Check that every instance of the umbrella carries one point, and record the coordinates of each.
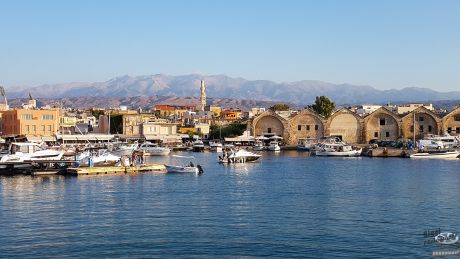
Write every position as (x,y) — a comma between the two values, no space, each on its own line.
(261,138)
(276,137)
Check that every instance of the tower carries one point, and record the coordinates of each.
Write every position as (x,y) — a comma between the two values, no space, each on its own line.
(203,95)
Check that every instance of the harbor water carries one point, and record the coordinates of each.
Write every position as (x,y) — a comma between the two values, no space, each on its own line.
(287,205)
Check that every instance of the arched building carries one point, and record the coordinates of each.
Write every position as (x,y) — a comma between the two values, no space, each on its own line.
(306,124)
(270,123)
(382,124)
(451,123)
(346,125)
(426,122)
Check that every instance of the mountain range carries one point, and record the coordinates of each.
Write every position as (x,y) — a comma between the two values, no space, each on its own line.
(221,86)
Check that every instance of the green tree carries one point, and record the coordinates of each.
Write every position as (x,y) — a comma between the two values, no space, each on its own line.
(233,130)
(280,107)
(323,106)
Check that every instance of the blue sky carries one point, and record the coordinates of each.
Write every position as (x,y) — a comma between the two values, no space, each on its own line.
(385,44)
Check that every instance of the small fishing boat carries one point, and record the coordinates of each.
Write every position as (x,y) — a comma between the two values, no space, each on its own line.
(446,238)
(436,155)
(273,146)
(258,145)
(187,168)
(336,149)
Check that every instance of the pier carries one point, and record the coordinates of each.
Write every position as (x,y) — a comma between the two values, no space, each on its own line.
(113,170)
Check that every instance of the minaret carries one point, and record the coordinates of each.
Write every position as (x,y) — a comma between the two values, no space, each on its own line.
(203,95)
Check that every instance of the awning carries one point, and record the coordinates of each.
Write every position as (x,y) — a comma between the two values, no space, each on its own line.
(41,138)
(87,137)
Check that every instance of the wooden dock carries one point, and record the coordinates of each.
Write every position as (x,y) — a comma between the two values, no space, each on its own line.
(114,170)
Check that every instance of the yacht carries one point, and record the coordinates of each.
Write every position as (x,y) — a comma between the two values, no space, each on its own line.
(447,140)
(97,158)
(258,145)
(124,149)
(152,149)
(28,151)
(336,149)
(198,146)
(240,156)
(273,146)
(215,146)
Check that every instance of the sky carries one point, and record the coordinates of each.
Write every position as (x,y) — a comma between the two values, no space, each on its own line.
(388,44)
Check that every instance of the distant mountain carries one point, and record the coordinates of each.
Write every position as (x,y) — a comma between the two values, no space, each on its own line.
(221,86)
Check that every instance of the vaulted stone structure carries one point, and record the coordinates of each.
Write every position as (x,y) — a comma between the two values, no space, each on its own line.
(426,122)
(451,123)
(346,125)
(269,122)
(306,124)
(382,124)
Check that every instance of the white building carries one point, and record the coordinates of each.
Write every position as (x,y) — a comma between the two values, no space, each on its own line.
(367,109)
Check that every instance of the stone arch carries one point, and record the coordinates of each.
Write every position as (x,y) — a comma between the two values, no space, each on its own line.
(382,124)
(306,124)
(451,123)
(346,125)
(269,122)
(426,122)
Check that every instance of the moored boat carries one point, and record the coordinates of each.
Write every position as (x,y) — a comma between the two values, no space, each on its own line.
(151,149)
(337,149)
(240,156)
(436,155)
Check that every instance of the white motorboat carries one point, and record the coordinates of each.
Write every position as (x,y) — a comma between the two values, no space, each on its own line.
(124,149)
(241,156)
(187,168)
(259,145)
(306,144)
(273,146)
(446,238)
(99,157)
(198,146)
(436,155)
(28,151)
(336,149)
(215,146)
(152,149)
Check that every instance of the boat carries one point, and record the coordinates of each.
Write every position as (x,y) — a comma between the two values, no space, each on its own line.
(273,146)
(240,156)
(215,146)
(124,149)
(258,145)
(446,238)
(97,158)
(30,151)
(336,149)
(187,168)
(448,141)
(152,149)
(436,155)
(306,144)
(198,146)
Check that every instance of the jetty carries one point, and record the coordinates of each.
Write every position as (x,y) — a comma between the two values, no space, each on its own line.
(114,170)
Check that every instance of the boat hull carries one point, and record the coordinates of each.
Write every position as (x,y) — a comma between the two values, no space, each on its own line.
(352,153)
(181,169)
(443,155)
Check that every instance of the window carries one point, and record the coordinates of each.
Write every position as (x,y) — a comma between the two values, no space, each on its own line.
(457,130)
(457,118)
(47,117)
(316,127)
(421,128)
(382,122)
(387,134)
(420,118)
(430,128)
(308,127)
(449,130)
(34,128)
(299,127)
(376,134)
(49,127)
(27,128)
(411,128)
(26,116)
(43,127)
(269,130)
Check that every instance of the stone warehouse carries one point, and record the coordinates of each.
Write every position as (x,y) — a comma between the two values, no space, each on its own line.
(382,124)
